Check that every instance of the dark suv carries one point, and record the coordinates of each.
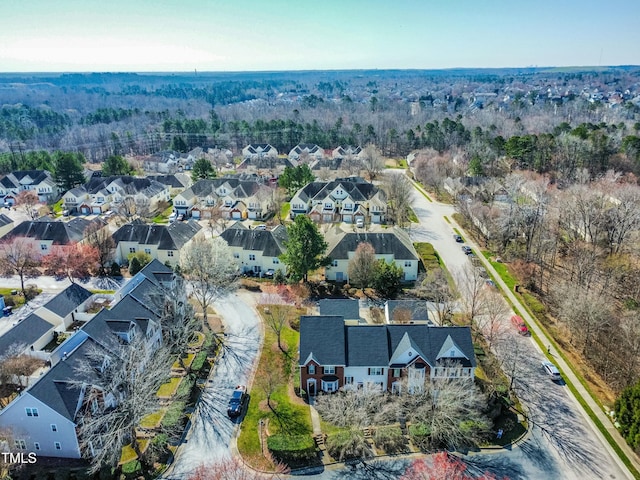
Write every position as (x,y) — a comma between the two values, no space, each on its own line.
(237,401)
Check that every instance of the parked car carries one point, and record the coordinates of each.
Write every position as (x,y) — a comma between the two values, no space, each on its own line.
(551,370)
(518,322)
(466,249)
(458,238)
(237,401)
(180,217)
(261,227)
(360,223)
(269,273)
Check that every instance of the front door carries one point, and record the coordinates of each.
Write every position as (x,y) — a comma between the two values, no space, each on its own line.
(311,387)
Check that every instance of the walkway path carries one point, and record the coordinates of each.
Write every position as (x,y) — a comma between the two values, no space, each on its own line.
(315,417)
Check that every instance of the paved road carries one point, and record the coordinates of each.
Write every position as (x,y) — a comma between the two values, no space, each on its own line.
(211,432)
(52,285)
(563,443)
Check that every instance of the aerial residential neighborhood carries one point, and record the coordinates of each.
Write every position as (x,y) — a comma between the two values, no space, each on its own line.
(354,241)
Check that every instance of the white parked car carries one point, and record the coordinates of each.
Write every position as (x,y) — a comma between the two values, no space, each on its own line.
(551,370)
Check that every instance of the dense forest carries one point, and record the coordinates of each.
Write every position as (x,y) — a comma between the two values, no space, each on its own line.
(536,116)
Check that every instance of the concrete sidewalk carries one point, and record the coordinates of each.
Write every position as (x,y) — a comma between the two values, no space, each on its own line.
(568,374)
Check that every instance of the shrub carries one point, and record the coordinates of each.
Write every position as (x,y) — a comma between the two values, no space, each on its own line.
(348,444)
(292,448)
(390,439)
(420,434)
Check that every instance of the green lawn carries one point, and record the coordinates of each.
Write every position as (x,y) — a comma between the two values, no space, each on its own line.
(413,218)
(290,417)
(163,217)
(57,207)
(153,420)
(502,270)
(186,361)
(17,300)
(169,388)
(284,211)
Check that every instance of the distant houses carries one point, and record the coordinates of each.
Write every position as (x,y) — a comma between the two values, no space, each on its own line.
(391,245)
(38,181)
(161,242)
(344,199)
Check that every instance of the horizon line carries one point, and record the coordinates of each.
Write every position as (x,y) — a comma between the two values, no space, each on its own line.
(412,69)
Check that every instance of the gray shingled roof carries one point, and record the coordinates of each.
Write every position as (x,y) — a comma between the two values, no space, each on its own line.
(67,300)
(328,341)
(59,388)
(4,220)
(417,308)
(393,242)
(156,271)
(269,242)
(12,180)
(349,309)
(60,233)
(367,346)
(25,332)
(130,185)
(166,237)
(322,339)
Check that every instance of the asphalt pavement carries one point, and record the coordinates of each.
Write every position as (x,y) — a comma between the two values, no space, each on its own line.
(211,432)
(563,442)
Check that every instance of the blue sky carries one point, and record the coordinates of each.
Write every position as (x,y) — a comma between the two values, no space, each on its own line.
(232,35)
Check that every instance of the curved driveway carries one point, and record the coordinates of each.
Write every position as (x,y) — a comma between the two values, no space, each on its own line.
(211,432)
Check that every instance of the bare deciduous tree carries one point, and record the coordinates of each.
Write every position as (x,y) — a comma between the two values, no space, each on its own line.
(372,161)
(275,315)
(99,237)
(210,271)
(435,288)
(472,293)
(19,257)
(492,323)
(399,197)
(453,409)
(121,393)
(226,469)
(27,200)
(15,365)
(362,266)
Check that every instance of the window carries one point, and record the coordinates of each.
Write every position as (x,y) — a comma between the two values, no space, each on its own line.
(311,369)
(147,251)
(43,246)
(31,412)
(329,370)
(276,261)
(328,206)
(170,253)
(236,255)
(252,257)
(396,372)
(348,380)
(36,445)
(334,263)
(407,263)
(54,427)
(376,371)
(21,444)
(58,446)
(132,249)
